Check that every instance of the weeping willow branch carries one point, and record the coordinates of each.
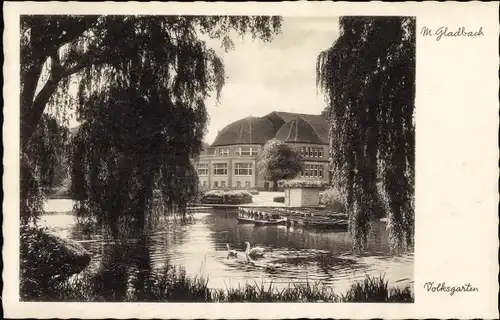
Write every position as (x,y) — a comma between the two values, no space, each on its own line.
(141,82)
(368,77)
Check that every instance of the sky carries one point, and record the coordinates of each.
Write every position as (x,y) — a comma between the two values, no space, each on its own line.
(262,77)
(276,76)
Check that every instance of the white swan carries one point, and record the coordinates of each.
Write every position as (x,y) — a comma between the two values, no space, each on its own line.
(254,252)
(231,253)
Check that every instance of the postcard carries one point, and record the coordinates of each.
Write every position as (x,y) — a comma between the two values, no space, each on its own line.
(250,160)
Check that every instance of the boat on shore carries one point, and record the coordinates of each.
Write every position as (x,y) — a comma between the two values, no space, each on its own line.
(293,218)
(245,220)
(341,216)
(259,218)
(271,222)
(328,224)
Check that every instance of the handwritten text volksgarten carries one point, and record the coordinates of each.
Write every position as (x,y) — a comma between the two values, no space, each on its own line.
(442,287)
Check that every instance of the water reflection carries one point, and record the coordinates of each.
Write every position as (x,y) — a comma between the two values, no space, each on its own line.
(200,247)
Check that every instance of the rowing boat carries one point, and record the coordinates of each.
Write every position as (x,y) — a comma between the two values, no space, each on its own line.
(328,224)
(245,220)
(337,216)
(272,222)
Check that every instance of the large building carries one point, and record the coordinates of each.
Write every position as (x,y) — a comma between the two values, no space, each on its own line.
(230,162)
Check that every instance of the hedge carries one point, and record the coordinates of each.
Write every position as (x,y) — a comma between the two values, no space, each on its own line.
(296,183)
(227,197)
(279,199)
(333,199)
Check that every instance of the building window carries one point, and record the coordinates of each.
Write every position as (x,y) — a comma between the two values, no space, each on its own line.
(247,184)
(312,170)
(211,152)
(320,152)
(321,168)
(315,152)
(220,169)
(303,152)
(243,169)
(223,184)
(203,169)
(216,184)
(247,151)
(311,152)
(243,151)
(238,184)
(224,152)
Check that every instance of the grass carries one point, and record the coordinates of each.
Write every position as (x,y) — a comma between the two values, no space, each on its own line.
(173,285)
(373,289)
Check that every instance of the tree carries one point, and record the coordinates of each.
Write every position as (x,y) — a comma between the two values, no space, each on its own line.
(138,85)
(47,167)
(279,161)
(368,77)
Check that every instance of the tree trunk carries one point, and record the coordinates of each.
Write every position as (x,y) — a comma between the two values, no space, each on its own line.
(31,115)
(275,185)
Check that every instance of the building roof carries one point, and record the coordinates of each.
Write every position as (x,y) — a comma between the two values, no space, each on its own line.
(299,130)
(317,121)
(253,130)
(250,130)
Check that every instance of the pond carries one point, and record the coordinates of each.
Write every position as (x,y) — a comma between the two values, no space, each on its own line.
(292,255)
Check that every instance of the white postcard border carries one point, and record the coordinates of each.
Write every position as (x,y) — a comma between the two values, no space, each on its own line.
(456,164)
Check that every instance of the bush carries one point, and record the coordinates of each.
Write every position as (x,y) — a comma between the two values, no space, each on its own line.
(280,199)
(333,199)
(227,197)
(254,192)
(297,183)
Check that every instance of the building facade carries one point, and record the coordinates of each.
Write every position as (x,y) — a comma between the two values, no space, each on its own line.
(231,161)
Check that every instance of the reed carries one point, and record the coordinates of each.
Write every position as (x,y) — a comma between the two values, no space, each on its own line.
(376,289)
(173,285)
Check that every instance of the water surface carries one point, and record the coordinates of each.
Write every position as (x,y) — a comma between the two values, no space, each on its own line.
(293,255)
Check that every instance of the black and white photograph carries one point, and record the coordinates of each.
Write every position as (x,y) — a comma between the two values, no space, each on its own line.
(217,158)
(211,158)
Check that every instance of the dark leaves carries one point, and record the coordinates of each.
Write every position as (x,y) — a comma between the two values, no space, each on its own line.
(141,82)
(279,161)
(368,77)
(143,114)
